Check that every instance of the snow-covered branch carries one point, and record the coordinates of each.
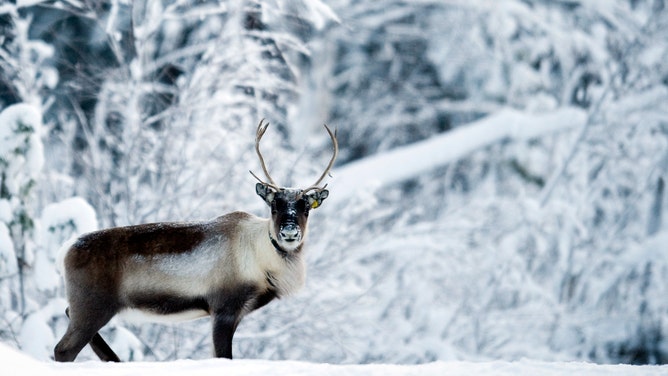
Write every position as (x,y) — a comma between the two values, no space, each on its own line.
(410,161)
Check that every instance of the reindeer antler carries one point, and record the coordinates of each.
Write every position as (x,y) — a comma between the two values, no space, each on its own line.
(261,128)
(332,135)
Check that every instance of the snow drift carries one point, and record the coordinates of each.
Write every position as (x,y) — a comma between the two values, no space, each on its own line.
(24,365)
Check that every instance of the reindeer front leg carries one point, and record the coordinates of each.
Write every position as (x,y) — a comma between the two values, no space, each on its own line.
(229,308)
(224,325)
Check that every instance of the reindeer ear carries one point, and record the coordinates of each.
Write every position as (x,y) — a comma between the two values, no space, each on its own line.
(267,193)
(316,198)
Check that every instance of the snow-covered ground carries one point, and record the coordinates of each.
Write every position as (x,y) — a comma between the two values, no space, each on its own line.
(21,364)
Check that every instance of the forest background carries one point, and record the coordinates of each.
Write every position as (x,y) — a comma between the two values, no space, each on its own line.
(499,193)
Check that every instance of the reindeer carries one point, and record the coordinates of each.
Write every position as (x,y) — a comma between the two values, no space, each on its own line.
(173,271)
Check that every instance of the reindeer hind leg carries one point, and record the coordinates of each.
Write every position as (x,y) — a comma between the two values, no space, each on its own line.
(81,332)
(102,349)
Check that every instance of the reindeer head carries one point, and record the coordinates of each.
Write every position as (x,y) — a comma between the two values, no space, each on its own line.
(290,206)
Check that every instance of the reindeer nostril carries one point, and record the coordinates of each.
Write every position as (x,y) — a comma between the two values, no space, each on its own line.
(289,232)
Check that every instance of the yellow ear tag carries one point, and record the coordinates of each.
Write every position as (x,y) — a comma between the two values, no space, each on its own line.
(315,204)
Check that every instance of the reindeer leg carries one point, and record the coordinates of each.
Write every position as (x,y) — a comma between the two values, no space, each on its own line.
(224,325)
(102,349)
(74,340)
(229,307)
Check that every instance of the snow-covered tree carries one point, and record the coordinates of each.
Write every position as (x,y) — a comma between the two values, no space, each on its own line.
(26,73)
(21,161)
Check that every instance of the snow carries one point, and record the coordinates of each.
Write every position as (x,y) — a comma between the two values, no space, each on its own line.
(24,365)
(7,253)
(36,336)
(320,13)
(20,127)
(72,212)
(46,276)
(28,3)
(59,222)
(5,211)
